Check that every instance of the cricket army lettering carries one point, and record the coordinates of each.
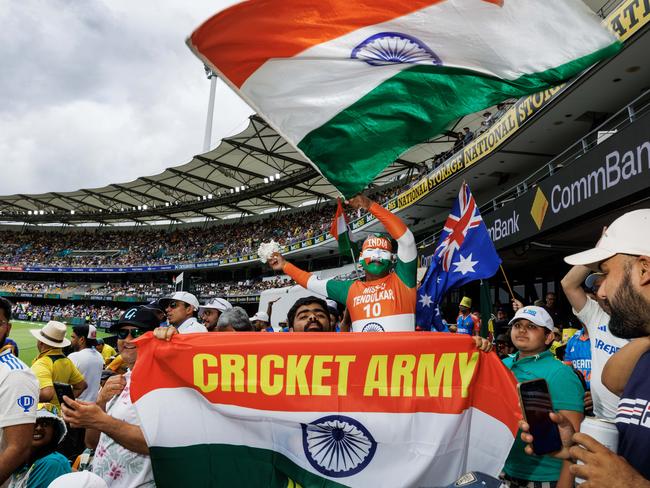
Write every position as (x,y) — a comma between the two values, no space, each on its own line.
(383,305)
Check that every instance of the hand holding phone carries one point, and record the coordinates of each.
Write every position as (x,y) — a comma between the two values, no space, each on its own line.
(63,389)
(536,405)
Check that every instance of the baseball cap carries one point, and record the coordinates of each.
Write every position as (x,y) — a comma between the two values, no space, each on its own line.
(628,234)
(140,317)
(154,305)
(262,316)
(590,281)
(537,315)
(477,479)
(220,304)
(180,296)
(88,331)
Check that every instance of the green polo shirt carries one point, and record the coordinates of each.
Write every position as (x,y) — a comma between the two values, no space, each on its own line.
(567,393)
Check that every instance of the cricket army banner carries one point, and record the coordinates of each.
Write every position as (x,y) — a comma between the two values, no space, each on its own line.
(282,410)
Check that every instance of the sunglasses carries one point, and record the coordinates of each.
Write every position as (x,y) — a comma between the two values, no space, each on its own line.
(135,333)
(173,304)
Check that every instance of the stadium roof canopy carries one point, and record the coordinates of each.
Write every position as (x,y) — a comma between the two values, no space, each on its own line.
(249,173)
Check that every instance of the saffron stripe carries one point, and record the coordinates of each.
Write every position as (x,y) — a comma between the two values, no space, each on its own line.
(295,25)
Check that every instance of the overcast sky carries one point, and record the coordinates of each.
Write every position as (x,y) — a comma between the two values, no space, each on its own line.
(103,91)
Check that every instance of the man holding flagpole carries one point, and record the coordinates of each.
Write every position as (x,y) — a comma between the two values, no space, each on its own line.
(385,301)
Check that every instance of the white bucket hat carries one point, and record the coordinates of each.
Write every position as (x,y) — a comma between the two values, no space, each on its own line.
(628,234)
(52,334)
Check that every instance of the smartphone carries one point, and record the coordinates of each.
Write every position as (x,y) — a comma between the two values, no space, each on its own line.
(63,389)
(536,404)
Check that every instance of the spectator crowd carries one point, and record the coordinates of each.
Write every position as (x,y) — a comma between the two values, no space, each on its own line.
(595,375)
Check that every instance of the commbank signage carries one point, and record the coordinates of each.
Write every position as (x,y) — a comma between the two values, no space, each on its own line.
(616,168)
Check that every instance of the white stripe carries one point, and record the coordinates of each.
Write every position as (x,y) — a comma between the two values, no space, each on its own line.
(341,228)
(407,251)
(302,93)
(430,449)
(404,322)
(317,285)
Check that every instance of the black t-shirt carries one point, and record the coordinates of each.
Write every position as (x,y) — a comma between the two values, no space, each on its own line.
(633,418)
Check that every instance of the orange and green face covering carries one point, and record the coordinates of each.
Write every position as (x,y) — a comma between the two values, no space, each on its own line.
(376,261)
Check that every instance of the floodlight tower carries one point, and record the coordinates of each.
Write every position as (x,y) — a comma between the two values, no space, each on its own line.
(212,76)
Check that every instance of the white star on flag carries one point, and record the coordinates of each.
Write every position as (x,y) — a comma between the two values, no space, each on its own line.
(465,265)
(425,300)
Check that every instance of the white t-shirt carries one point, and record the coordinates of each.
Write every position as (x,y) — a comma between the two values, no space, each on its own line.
(18,393)
(90,363)
(603,345)
(191,326)
(116,465)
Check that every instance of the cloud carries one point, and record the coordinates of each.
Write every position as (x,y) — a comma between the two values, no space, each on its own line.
(100,92)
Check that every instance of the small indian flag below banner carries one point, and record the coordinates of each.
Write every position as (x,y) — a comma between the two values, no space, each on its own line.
(284,410)
(355,83)
(340,230)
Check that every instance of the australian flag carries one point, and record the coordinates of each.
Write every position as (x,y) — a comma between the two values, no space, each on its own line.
(464,253)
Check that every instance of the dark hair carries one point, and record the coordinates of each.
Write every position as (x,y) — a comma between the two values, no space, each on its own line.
(83,331)
(291,314)
(5,306)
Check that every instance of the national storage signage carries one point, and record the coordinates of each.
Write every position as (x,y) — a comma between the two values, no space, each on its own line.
(480,147)
(618,167)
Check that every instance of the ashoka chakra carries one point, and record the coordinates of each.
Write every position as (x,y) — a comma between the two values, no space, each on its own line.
(337,446)
(372,327)
(394,48)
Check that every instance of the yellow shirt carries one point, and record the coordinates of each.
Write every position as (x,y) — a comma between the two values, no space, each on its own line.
(52,366)
(117,365)
(107,353)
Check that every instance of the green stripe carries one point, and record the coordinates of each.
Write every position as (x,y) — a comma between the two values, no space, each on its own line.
(219,465)
(356,145)
(338,290)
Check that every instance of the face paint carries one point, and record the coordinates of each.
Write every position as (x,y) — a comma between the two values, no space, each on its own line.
(376,255)
(377,267)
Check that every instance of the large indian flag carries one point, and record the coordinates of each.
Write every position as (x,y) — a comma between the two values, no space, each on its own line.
(355,83)
(322,410)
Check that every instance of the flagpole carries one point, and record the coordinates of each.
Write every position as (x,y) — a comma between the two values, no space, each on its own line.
(512,295)
(356,268)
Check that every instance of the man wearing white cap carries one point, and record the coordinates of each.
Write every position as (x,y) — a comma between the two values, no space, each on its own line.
(87,359)
(262,322)
(51,366)
(602,343)
(210,312)
(181,308)
(623,256)
(532,334)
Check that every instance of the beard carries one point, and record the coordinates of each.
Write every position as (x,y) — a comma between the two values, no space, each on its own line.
(630,311)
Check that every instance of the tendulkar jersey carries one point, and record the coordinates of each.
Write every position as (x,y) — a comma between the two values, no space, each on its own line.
(383,305)
(18,393)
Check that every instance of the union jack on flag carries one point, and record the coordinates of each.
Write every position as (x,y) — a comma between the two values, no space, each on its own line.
(465,246)
(463,217)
